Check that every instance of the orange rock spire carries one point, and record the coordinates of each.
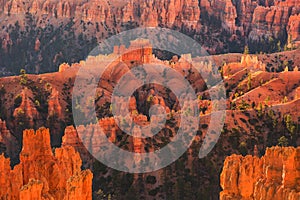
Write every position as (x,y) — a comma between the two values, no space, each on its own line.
(42,174)
(274,176)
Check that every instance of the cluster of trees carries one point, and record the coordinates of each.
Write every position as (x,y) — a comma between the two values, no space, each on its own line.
(269,45)
(58,44)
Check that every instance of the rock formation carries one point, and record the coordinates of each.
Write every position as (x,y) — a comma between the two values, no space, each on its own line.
(139,51)
(224,10)
(272,20)
(42,174)
(151,13)
(27,109)
(32,190)
(7,141)
(294,30)
(54,107)
(221,22)
(71,138)
(274,176)
(256,18)
(63,67)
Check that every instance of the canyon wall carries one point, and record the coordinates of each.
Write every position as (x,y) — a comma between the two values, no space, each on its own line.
(274,176)
(149,13)
(255,19)
(220,26)
(42,174)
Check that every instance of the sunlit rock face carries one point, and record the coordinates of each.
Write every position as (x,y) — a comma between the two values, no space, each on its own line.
(294,29)
(42,174)
(274,176)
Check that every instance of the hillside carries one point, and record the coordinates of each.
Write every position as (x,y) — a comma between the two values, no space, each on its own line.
(261,112)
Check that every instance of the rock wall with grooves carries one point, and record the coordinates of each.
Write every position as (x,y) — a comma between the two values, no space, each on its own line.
(252,20)
(42,174)
(274,176)
(150,13)
(294,29)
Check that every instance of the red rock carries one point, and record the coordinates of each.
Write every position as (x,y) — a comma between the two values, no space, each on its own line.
(293,29)
(79,186)
(72,139)
(139,51)
(32,190)
(42,174)
(274,176)
(27,108)
(252,19)
(54,107)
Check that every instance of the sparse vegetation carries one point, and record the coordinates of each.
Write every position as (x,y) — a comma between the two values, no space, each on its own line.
(283,141)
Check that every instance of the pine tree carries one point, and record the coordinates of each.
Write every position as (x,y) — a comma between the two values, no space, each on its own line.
(246,50)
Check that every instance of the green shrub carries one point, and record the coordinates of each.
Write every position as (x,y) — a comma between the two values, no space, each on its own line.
(283,141)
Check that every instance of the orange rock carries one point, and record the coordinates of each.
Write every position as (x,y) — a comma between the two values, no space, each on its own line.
(27,108)
(293,29)
(54,107)
(42,175)
(32,190)
(274,176)
(63,67)
(139,51)
(271,19)
(79,186)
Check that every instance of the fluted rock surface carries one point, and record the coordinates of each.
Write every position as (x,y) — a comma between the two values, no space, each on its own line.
(274,176)
(42,174)
(146,12)
(213,23)
(71,138)
(294,29)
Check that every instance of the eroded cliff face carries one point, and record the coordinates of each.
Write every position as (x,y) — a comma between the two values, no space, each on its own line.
(42,174)
(220,26)
(293,29)
(274,176)
(276,20)
(149,13)
(256,18)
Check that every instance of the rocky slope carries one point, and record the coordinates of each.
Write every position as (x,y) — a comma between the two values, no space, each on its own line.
(256,115)
(274,176)
(42,174)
